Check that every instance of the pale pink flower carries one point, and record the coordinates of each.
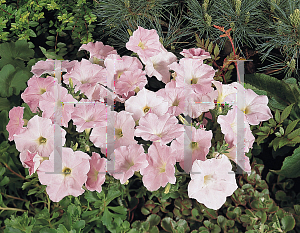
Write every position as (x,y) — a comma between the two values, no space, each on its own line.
(144,42)
(241,160)
(175,96)
(224,90)
(195,53)
(48,67)
(159,129)
(160,170)
(123,125)
(212,181)
(158,66)
(228,125)
(128,159)
(130,80)
(146,101)
(193,74)
(96,175)
(98,51)
(36,87)
(85,75)
(49,102)
(75,166)
(89,115)
(16,122)
(254,106)
(32,161)
(117,65)
(200,102)
(38,137)
(192,147)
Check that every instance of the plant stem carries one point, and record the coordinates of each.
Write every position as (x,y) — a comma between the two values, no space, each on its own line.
(7,208)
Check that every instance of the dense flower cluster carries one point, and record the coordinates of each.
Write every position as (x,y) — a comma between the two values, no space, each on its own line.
(149,115)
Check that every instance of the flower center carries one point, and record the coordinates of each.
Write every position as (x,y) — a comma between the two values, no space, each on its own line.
(118,133)
(119,74)
(42,91)
(208,179)
(247,110)
(66,171)
(194,80)
(42,140)
(175,103)
(146,109)
(194,145)
(162,168)
(141,44)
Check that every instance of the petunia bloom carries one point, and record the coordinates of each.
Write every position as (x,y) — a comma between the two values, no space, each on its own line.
(144,42)
(160,170)
(96,175)
(36,87)
(212,181)
(48,67)
(254,106)
(75,166)
(128,159)
(32,161)
(16,122)
(38,137)
(163,128)
(146,101)
(195,53)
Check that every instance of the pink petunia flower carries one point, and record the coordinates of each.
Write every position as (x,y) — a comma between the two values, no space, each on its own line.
(36,87)
(49,102)
(96,175)
(32,161)
(146,101)
(254,106)
(75,166)
(193,74)
(128,159)
(195,53)
(224,91)
(241,160)
(228,125)
(200,102)
(48,67)
(159,129)
(89,115)
(130,81)
(144,42)
(123,128)
(98,51)
(212,181)
(193,145)
(38,137)
(158,66)
(16,122)
(160,170)
(175,96)
(85,75)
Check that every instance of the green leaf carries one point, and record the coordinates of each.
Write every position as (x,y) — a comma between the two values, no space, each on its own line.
(216,50)
(4,104)
(283,142)
(33,23)
(277,116)
(286,112)
(4,181)
(167,223)
(291,126)
(209,49)
(153,219)
(288,223)
(294,134)
(61,229)
(50,43)
(31,33)
(291,165)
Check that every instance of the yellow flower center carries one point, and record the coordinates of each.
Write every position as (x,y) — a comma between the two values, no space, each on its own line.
(141,44)
(42,91)
(176,102)
(162,168)
(118,133)
(194,145)
(194,80)
(246,110)
(67,171)
(42,140)
(207,179)
(146,109)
